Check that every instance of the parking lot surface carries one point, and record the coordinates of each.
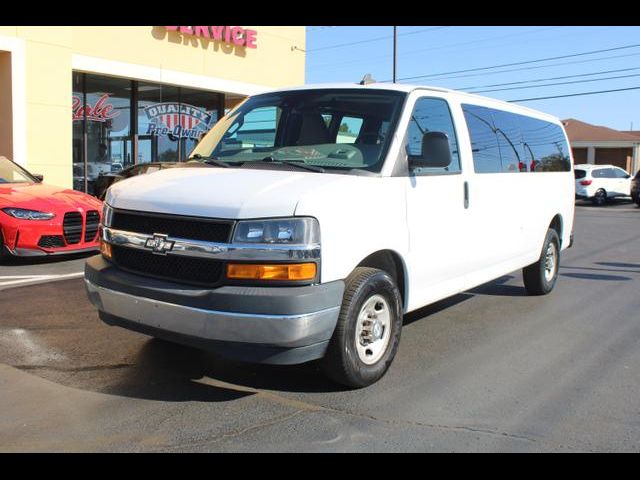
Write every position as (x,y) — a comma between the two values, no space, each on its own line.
(491,369)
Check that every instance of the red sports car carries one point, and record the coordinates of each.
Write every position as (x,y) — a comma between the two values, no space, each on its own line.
(38,219)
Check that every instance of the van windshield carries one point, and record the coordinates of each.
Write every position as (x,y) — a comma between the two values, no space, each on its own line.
(333,129)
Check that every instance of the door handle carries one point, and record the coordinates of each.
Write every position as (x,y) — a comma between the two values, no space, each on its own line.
(466,194)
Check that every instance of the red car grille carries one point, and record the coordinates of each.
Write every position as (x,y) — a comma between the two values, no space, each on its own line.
(91,228)
(72,227)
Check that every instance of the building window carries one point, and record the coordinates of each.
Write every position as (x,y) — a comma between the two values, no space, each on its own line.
(118,123)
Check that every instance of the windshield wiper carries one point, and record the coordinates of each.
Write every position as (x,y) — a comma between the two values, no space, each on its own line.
(295,163)
(210,161)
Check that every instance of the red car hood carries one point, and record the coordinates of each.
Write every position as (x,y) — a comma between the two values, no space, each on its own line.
(46,198)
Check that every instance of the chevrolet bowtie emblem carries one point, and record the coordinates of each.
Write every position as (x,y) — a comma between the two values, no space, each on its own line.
(159,244)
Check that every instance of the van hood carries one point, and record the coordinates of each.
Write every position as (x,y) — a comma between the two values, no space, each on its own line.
(233,193)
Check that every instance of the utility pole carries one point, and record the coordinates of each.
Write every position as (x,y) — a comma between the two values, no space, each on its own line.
(395,47)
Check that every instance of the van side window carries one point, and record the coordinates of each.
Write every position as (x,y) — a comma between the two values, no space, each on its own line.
(432,115)
(484,140)
(255,129)
(502,141)
(545,146)
(349,130)
(509,141)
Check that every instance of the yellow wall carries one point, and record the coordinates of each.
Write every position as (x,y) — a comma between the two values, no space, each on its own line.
(49,53)
(6,124)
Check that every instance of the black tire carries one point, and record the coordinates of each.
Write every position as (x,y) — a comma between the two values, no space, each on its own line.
(341,362)
(600,198)
(535,277)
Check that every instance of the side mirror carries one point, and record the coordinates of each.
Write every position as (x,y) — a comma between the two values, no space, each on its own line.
(435,151)
(38,176)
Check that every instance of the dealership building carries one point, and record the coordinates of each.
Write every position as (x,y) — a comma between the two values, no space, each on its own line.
(78,102)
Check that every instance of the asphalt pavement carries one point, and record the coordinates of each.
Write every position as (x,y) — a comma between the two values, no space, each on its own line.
(488,370)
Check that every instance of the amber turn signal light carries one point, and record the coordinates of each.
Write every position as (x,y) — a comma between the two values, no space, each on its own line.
(295,271)
(105,249)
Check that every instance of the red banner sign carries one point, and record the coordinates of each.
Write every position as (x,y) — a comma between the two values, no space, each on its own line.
(100,112)
(236,35)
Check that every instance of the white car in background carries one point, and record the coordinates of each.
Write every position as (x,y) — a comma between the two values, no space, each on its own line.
(599,183)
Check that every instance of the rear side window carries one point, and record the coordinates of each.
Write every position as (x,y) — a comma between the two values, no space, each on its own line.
(484,141)
(509,142)
(579,173)
(600,173)
(545,146)
(619,173)
(507,128)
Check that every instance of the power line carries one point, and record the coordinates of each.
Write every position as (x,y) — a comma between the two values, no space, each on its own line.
(535,67)
(558,83)
(386,37)
(412,52)
(602,72)
(317,29)
(477,69)
(574,94)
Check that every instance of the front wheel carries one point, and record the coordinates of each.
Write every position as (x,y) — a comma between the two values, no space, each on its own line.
(540,277)
(367,334)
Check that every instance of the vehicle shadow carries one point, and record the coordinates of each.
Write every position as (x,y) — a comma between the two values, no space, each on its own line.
(609,203)
(169,372)
(619,264)
(596,276)
(16,261)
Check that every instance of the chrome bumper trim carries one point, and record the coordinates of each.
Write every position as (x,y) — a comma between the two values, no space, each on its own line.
(278,330)
(213,250)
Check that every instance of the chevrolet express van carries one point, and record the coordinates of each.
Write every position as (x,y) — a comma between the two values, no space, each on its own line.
(321,214)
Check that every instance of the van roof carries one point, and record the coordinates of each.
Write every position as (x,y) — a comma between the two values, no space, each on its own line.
(402,87)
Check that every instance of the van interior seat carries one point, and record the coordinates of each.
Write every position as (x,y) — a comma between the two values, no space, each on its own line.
(313,130)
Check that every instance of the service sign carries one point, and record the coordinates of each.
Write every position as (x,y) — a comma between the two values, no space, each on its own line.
(244,37)
(178,120)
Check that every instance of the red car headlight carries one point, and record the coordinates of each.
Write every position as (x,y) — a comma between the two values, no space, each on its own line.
(23,214)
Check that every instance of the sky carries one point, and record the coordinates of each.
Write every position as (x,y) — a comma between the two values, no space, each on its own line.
(481,58)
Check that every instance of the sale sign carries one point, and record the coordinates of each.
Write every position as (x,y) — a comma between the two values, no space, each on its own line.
(101,111)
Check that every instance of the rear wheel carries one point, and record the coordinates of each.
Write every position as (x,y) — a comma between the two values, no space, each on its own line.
(540,277)
(367,334)
(600,198)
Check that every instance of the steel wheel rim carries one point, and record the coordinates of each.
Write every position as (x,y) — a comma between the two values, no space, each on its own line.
(373,329)
(550,262)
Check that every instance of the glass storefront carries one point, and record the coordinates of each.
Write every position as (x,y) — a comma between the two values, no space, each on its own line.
(118,123)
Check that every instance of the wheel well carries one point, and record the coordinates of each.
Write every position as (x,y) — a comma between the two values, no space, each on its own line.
(556,224)
(390,262)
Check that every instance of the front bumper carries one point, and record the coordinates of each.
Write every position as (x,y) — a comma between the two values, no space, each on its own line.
(22,238)
(281,325)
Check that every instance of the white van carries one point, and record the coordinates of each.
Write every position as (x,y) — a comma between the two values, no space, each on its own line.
(322,214)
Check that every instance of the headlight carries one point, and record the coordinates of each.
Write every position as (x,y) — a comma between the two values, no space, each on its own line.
(24,214)
(107,215)
(290,231)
